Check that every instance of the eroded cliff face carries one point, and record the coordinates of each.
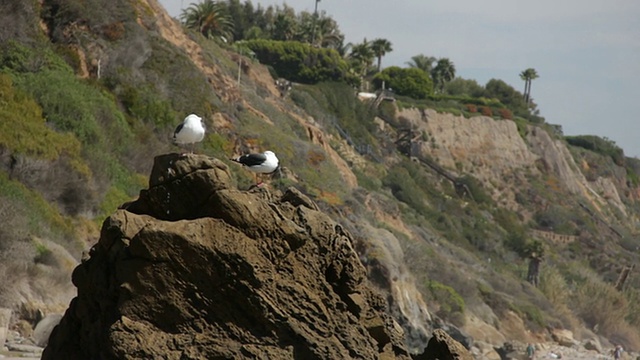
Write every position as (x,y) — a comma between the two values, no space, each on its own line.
(197,269)
(496,153)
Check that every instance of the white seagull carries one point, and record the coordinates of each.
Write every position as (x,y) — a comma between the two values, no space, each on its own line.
(189,132)
(262,163)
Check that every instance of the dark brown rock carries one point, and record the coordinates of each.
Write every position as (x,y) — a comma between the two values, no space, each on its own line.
(232,275)
(444,347)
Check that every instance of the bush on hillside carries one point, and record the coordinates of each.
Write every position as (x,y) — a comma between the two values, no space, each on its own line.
(411,82)
(513,100)
(300,62)
(479,101)
(598,303)
(450,302)
(42,141)
(558,219)
(600,145)
(477,190)
(16,58)
(405,189)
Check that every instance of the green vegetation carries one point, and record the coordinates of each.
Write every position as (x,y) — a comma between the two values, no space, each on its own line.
(410,82)
(98,133)
(600,145)
(42,219)
(301,62)
(209,18)
(450,302)
(28,134)
(335,106)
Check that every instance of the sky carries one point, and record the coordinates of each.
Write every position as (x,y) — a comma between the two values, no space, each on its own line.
(586,52)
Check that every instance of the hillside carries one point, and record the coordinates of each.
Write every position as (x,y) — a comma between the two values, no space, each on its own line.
(446,212)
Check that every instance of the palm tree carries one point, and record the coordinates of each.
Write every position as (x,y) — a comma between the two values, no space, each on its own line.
(209,19)
(528,75)
(361,57)
(344,49)
(444,72)
(422,62)
(380,48)
(327,33)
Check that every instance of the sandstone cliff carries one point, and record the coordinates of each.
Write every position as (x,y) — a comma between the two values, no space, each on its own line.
(495,153)
(197,269)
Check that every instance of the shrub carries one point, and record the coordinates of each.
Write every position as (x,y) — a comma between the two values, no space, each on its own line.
(505,114)
(477,191)
(143,102)
(410,82)
(448,299)
(301,62)
(464,99)
(486,111)
(531,314)
(556,218)
(17,58)
(405,189)
(598,303)
(554,287)
(41,142)
(471,108)
(603,146)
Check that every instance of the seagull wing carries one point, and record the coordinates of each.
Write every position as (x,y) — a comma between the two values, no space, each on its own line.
(251,159)
(177,130)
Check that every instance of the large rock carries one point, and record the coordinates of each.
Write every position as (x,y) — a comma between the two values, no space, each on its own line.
(443,347)
(44,328)
(248,275)
(563,337)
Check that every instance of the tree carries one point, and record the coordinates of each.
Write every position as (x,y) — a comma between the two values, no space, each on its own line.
(208,18)
(507,95)
(237,17)
(319,30)
(344,49)
(422,62)
(534,250)
(284,27)
(361,58)
(528,75)
(464,87)
(380,48)
(444,72)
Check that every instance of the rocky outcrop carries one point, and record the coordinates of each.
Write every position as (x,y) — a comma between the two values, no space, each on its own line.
(444,347)
(197,269)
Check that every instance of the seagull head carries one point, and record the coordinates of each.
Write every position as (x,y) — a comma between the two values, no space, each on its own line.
(193,118)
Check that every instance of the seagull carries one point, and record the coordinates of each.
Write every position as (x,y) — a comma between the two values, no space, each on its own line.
(261,163)
(189,132)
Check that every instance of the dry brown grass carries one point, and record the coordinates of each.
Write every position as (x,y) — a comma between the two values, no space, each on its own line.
(599,304)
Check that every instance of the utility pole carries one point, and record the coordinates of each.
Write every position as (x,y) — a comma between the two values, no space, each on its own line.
(315,19)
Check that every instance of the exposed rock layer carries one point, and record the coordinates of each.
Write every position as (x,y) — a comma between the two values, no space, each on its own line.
(247,275)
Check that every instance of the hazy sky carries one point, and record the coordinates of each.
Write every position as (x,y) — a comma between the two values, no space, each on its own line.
(587,52)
